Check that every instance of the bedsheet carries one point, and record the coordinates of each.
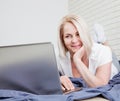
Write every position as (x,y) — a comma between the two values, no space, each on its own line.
(111,91)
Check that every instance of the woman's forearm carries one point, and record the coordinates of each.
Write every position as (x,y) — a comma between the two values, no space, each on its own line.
(89,78)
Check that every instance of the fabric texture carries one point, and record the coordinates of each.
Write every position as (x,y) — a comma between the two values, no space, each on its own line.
(111,91)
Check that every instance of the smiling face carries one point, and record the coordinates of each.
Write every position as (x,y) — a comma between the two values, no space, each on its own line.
(71,38)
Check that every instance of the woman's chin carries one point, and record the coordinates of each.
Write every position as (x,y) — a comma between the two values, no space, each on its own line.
(75,50)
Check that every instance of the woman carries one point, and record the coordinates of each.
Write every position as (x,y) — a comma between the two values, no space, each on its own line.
(81,58)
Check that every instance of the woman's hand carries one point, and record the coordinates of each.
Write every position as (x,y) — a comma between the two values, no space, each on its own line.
(80,54)
(66,83)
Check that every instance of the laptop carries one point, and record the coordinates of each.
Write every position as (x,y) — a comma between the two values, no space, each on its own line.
(30,68)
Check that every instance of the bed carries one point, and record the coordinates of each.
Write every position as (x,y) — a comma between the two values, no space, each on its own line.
(110,92)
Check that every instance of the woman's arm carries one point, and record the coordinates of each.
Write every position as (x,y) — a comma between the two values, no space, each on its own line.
(102,75)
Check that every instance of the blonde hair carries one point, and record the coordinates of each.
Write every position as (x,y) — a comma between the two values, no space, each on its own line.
(82,29)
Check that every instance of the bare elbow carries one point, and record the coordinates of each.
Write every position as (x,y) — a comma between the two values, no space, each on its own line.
(103,83)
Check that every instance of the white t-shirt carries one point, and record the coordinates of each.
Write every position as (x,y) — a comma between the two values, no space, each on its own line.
(100,55)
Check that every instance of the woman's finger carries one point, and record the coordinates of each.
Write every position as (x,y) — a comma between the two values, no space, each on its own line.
(66,83)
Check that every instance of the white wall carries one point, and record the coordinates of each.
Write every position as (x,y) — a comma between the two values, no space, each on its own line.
(30,21)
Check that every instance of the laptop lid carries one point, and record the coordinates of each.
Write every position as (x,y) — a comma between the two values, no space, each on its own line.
(29,67)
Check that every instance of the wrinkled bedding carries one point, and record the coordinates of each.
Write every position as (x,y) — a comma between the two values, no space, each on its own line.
(111,91)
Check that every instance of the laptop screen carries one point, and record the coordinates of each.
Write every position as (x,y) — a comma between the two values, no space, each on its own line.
(30,68)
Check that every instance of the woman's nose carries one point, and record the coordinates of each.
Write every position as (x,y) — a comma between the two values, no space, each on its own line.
(74,39)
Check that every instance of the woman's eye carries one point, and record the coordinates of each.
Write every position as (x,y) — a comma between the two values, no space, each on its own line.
(68,36)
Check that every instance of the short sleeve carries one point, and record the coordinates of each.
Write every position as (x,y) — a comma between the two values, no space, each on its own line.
(104,55)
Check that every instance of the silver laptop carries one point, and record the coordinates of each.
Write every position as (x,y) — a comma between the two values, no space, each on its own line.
(31,68)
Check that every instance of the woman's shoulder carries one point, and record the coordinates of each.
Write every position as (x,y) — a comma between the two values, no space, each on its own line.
(99,48)
(101,53)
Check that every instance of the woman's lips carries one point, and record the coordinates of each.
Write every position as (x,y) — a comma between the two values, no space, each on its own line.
(76,46)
